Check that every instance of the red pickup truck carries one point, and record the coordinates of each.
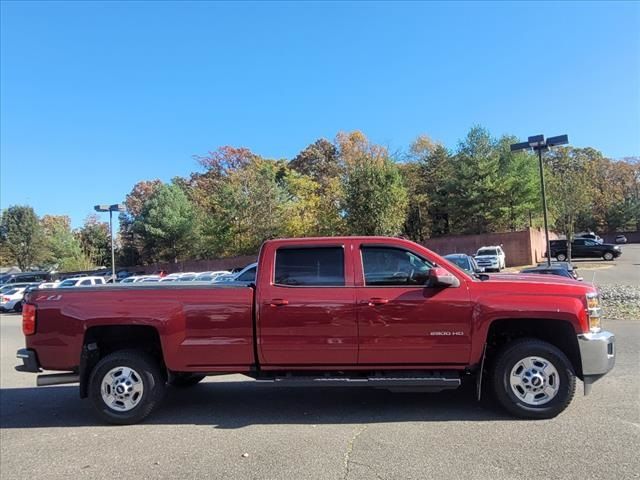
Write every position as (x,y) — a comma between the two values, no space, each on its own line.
(341,311)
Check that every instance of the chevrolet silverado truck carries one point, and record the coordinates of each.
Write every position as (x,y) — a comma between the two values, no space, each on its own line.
(339,311)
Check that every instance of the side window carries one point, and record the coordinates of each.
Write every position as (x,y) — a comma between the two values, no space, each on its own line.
(384,266)
(579,242)
(85,282)
(248,276)
(310,266)
(590,243)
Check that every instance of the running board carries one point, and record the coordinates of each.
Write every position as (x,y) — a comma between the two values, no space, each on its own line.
(57,379)
(436,382)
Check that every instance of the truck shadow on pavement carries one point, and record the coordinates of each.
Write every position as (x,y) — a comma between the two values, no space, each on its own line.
(232,405)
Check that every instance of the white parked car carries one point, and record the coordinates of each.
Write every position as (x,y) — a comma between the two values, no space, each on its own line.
(150,279)
(491,258)
(133,279)
(11,300)
(81,282)
(247,274)
(210,276)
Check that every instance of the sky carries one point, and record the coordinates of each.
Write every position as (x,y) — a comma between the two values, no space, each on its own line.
(95,97)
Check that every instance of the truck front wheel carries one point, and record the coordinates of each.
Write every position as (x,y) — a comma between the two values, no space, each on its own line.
(125,386)
(533,379)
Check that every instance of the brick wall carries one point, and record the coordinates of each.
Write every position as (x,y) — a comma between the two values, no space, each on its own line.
(632,237)
(521,248)
(197,265)
(525,247)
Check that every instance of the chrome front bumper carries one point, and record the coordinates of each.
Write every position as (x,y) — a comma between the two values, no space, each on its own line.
(598,356)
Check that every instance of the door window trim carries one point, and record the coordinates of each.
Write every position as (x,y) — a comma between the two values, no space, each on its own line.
(301,247)
(390,247)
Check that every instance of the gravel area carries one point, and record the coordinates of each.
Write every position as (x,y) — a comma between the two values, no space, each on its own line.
(620,302)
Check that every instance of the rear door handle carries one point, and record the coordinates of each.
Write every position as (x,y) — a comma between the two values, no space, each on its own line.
(377,301)
(278,302)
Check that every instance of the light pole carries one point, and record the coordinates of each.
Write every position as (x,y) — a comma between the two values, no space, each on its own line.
(538,144)
(118,207)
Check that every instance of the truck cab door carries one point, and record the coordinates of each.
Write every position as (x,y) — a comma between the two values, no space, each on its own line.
(306,306)
(402,320)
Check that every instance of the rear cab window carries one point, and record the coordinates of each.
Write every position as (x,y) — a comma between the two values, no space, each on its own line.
(309,266)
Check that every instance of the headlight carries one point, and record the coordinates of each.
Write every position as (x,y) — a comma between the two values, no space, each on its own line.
(593,311)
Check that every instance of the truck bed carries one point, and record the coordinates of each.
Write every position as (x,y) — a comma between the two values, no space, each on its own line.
(202,327)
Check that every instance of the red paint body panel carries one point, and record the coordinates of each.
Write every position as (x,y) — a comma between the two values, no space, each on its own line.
(200,327)
(208,328)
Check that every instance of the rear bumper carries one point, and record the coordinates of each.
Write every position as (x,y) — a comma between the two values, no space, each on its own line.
(598,356)
(29,361)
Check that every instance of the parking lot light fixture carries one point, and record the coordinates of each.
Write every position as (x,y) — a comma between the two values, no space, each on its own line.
(116,207)
(538,144)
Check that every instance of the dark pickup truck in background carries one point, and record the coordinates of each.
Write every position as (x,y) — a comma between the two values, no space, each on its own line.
(338,311)
(584,248)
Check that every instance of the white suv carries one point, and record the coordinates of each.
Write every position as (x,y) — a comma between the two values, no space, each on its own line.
(81,282)
(491,258)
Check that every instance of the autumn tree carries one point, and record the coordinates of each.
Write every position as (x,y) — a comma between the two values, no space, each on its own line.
(322,164)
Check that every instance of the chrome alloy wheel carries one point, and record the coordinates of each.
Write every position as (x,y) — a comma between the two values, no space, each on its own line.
(534,380)
(122,389)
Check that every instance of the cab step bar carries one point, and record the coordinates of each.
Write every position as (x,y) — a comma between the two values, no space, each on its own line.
(57,379)
(431,382)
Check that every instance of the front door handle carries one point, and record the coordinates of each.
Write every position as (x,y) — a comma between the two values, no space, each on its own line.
(377,301)
(278,302)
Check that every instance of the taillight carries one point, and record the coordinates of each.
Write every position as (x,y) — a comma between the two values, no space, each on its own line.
(28,319)
(6,299)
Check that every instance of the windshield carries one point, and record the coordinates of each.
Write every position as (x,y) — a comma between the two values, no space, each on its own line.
(487,251)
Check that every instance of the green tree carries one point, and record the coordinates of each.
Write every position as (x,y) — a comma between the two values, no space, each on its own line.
(375,197)
(94,240)
(568,188)
(132,247)
(426,176)
(475,191)
(520,176)
(166,224)
(64,250)
(21,236)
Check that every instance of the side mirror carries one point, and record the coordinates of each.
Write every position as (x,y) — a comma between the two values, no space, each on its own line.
(440,277)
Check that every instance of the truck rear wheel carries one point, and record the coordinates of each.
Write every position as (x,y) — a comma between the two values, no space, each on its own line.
(533,379)
(125,387)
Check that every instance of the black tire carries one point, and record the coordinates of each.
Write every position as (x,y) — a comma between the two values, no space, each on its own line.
(184,380)
(513,353)
(561,257)
(18,307)
(608,256)
(150,375)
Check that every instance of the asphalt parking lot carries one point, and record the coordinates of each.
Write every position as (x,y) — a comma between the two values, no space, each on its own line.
(227,428)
